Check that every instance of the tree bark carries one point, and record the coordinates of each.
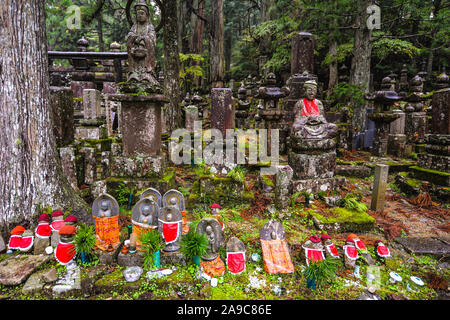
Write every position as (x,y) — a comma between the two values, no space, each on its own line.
(172,112)
(360,67)
(333,73)
(217,44)
(31,176)
(197,28)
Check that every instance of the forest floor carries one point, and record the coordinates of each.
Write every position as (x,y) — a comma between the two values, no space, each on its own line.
(403,217)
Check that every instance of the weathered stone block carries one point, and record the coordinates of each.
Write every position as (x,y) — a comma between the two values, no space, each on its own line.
(313,166)
(16,269)
(222,110)
(62,111)
(90,133)
(318,185)
(138,166)
(91,103)
(379,187)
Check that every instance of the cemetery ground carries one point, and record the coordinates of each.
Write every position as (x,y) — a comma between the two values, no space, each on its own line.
(405,216)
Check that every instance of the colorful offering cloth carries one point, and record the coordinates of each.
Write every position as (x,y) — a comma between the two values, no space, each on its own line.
(138,228)
(171,231)
(214,268)
(43,231)
(14,242)
(383,251)
(351,252)
(65,252)
(310,108)
(276,256)
(236,262)
(332,250)
(26,243)
(313,255)
(57,225)
(107,230)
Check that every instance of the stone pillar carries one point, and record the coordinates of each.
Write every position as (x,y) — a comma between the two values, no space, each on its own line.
(397,137)
(61,104)
(140,123)
(67,155)
(191,115)
(90,165)
(91,103)
(283,186)
(222,110)
(440,123)
(379,187)
(302,53)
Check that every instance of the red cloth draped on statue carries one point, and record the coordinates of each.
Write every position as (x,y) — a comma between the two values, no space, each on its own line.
(310,108)
(236,262)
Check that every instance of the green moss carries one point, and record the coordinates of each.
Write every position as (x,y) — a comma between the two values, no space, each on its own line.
(248,195)
(440,173)
(343,215)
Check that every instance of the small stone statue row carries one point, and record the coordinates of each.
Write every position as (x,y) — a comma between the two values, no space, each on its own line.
(45,235)
(316,248)
(151,211)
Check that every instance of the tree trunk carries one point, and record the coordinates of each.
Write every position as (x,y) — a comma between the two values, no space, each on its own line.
(217,44)
(197,27)
(31,176)
(101,43)
(172,112)
(333,75)
(360,68)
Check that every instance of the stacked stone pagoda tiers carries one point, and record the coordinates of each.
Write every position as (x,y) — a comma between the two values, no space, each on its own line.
(383,115)
(434,164)
(242,109)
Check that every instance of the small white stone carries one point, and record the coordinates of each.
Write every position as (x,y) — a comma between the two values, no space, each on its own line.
(49,250)
(214,282)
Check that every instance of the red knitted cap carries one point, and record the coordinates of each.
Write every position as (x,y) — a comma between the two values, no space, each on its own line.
(314,239)
(325,237)
(215,206)
(17,230)
(71,219)
(44,217)
(57,213)
(68,230)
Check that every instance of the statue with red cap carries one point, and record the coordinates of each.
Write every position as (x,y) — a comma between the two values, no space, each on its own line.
(330,247)
(65,250)
(215,207)
(314,250)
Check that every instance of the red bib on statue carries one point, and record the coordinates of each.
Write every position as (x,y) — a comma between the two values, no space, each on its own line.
(351,252)
(333,250)
(170,231)
(43,231)
(360,245)
(65,252)
(236,262)
(58,224)
(313,255)
(383,251)
(310,108)
(26,243)
(14,241)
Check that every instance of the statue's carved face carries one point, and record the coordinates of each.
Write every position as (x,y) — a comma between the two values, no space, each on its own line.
(141,14)
(145,210)
(310,92)
(104,205)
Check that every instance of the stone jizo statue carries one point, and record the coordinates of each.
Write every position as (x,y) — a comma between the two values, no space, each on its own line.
(213,231)
(309,120)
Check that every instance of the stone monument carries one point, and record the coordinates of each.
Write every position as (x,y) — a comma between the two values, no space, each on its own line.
(144,216)
(235,256)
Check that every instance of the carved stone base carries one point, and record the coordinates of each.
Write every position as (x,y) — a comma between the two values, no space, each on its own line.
(313,166)
(318,185)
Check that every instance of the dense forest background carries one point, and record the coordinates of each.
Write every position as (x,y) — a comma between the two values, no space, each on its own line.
(257,36)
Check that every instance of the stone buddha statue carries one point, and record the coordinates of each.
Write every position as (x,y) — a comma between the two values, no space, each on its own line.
(213,231)
(141,44)
(145,216)
(309,120)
